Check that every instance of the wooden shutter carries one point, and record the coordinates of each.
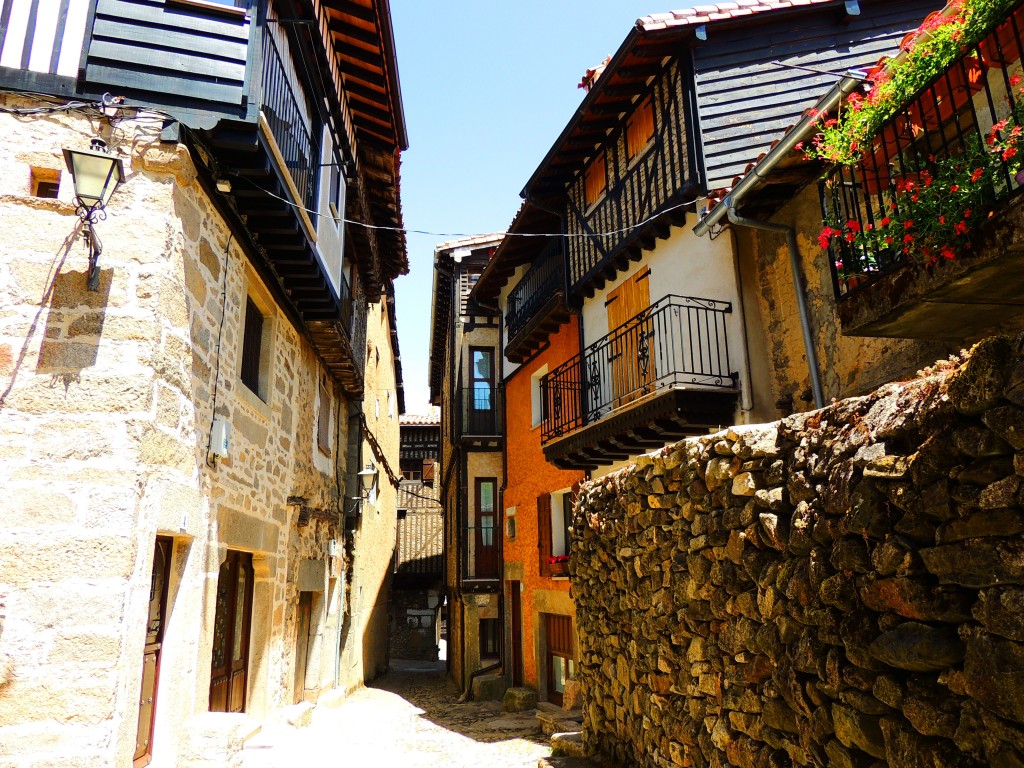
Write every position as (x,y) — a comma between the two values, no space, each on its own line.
(558,630)
(629,350)
(640,128)
(595,179)
(544,533)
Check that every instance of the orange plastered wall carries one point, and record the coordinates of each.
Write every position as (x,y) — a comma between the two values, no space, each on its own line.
(528,476)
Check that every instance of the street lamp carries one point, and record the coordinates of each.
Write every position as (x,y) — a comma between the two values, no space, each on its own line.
(96,174)
(367,480)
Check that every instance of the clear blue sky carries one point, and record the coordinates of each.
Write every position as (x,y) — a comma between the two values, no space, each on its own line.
(487,87)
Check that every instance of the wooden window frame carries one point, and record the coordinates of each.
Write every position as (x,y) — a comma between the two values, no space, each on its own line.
(233,563)
(256,347)
(559,643)
(545,526)
(164,547)
(478,529)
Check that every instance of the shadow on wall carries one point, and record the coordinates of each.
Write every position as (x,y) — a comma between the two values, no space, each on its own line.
(74,325)
(12,365)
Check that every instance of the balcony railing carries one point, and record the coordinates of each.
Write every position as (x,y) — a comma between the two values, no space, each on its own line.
(482,558)
(541,281)
(679,341)
(479,410)
(298,142)
(939,138)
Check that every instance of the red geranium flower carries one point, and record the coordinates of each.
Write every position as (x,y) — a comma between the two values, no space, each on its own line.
(908,223)
(978,173)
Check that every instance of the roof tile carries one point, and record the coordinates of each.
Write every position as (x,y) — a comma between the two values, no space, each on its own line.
(701,14)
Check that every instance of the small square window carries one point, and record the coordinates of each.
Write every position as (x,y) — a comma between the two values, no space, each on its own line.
(45,182)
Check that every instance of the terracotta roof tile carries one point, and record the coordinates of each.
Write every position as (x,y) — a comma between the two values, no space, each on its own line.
(702,14)
(421,419)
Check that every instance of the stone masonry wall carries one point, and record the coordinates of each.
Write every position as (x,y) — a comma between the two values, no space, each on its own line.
(842,588)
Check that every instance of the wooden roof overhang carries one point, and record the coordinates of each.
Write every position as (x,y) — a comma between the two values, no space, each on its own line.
(521,245)
(664,417)
(362,39)
(624,79)
(441,318)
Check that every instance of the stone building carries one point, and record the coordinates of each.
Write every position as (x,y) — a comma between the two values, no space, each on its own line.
(465,378)
(190,386)
(417,590)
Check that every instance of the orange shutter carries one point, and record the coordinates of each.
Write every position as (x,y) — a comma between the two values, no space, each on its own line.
(544,533)
(595,179)
(640,128)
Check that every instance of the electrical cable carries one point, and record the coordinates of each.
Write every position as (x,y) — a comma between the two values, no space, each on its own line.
(407,230)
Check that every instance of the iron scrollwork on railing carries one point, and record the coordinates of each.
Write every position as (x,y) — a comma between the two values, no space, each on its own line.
(545,277)
(678,341)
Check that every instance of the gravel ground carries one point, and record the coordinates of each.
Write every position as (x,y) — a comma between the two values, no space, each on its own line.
(408,718)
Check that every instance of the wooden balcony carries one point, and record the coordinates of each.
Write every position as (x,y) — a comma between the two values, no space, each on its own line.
(479,414)
(963,283)
(662,375)
(481,559)
(536,306)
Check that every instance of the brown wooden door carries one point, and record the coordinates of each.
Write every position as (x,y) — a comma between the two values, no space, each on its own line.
(151,655)
(486,559)
(302,624)
(230,659)
(516,598)
(629,350)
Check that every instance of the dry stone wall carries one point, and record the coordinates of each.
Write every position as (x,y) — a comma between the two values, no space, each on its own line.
(841,588)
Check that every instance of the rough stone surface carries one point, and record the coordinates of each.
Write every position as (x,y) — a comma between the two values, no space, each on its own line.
(857,601)
(519,700)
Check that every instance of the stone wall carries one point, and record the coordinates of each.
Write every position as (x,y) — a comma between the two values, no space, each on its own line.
(841,588)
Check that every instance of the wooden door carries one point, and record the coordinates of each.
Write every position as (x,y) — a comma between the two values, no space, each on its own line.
(151,655)
(230,658)
(302,625)
(486,565)
(482,406)
(516,598)
(629,349)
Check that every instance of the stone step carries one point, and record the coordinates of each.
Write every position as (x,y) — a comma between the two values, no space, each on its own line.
(566,762)
(554,719)
(568,744)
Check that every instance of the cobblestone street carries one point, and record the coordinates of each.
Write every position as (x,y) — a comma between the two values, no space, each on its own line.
(408,718)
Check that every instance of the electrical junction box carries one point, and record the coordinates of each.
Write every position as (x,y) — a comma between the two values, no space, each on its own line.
(220,438)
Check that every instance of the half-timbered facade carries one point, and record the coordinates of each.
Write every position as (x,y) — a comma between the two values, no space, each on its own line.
(687,102)
(465,381)
(224,336)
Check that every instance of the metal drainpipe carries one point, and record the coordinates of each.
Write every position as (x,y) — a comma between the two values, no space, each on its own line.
(801,296)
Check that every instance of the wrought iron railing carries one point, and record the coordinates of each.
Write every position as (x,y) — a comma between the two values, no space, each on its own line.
(931,172)
(298,141)
(541,281)
(479,410)
(482,558)
(679,341)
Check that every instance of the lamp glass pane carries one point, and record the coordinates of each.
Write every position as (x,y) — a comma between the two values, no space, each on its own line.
(96,176)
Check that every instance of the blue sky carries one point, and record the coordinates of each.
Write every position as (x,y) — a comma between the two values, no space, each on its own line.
(487,87)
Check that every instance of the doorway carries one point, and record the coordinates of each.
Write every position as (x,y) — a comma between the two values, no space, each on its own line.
(230,658)
(154,643)
(302,625)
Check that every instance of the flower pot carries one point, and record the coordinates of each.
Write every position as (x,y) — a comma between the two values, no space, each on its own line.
(1019,177)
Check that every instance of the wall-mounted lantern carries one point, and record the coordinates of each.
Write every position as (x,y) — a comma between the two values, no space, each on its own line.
(96,174)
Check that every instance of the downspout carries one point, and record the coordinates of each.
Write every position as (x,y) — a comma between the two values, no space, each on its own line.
(801,296)
(807,126)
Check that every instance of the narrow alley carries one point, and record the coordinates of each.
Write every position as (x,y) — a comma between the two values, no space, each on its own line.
(410,717)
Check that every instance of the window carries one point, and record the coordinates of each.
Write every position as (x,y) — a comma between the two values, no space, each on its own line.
(554,524)
(255,354)
(595,180)
(640,128)
(538,401)
(486,560)
(559,654)
(481,396)
(323,422)
(490,639)
(45,182)
(336,201)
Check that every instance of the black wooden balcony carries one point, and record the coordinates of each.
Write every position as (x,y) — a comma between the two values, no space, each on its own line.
(536,305)
(941,158)
(479,412)
(662,375)
(481,558)
(642,202)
